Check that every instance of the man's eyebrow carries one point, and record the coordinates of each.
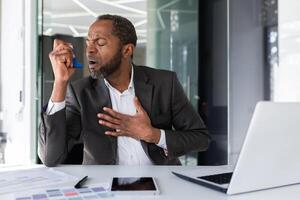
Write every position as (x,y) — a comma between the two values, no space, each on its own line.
(97,38)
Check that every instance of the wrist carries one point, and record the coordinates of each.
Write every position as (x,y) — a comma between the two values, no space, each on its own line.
(155,135)
(60,83)
(59,91)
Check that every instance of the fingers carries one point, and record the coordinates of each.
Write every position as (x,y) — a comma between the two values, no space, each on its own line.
(109,124)
(115,133)
(62,54)
(66,59)
(117,121)
(111,121)
(58,42)
(109,118)
(114,114)
(63,51)
(69,61)
(121,133)
(62,47)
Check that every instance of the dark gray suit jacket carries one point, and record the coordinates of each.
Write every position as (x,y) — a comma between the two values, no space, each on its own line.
(160,94)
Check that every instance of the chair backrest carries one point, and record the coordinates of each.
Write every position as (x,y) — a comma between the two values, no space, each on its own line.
(75,156)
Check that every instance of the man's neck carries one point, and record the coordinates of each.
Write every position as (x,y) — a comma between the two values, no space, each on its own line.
(121,78)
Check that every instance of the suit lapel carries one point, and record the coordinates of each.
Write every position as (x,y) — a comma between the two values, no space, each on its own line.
(103,100)
(143,91)
(102,94)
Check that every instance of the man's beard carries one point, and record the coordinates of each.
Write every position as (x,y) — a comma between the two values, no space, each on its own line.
(109,68)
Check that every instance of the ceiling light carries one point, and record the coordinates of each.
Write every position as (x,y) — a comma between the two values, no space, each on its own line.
(140,23)
(60,25)
(127,1)
(141,41)
(81,35)
(71,14)
(84,7)
(141,31)
(75,32)
(48,31)
(122,7)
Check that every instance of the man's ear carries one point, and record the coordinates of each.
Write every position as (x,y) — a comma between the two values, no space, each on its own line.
(128,50)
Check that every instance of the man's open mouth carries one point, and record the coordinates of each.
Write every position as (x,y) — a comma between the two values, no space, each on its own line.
(92,62)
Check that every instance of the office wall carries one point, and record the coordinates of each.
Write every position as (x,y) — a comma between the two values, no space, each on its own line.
(1,113)
(246,68)
(286,76)
(18,63)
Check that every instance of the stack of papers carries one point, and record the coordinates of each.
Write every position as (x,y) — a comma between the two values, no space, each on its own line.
(20,180)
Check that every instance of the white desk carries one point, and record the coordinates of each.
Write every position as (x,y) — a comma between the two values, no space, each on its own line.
(172,187)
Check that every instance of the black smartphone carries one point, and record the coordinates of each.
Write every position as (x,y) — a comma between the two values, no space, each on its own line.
(134,185)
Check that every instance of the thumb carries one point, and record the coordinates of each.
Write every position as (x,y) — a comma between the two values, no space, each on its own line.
(138,105)
(71,71)
(56,42)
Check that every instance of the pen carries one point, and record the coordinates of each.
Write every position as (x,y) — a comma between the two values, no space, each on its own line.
(80,182)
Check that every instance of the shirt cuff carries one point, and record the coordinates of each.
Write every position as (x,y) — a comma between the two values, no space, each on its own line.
(54,107)
(162,141)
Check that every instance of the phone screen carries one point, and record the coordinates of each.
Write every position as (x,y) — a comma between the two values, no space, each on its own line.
(133,184)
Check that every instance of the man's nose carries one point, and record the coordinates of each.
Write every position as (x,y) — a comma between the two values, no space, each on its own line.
(91,48)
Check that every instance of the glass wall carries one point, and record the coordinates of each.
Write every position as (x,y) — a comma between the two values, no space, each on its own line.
(172,44)
(172,41)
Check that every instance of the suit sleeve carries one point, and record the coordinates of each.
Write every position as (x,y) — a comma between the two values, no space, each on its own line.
(58,132)
(190,133)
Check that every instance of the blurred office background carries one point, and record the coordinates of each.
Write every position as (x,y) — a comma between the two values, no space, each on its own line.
(228,54)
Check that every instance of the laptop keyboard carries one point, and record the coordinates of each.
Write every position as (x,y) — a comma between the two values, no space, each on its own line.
(218,178)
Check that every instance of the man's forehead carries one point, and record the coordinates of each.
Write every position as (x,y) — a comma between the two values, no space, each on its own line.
(101,28)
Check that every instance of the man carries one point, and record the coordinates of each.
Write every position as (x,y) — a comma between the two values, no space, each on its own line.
(123,113)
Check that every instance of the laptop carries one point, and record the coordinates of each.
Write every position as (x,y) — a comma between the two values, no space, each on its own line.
(269,157)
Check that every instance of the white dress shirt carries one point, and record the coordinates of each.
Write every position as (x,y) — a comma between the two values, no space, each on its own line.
(130,150)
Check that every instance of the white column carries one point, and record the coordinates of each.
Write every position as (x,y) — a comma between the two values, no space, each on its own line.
(18,76)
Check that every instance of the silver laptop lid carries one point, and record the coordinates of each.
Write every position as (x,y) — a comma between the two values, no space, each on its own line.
(270,156)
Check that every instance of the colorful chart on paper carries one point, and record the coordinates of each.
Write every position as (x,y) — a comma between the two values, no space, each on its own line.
(88,193)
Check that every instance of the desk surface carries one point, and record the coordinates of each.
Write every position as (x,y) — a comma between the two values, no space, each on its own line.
(172,187)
